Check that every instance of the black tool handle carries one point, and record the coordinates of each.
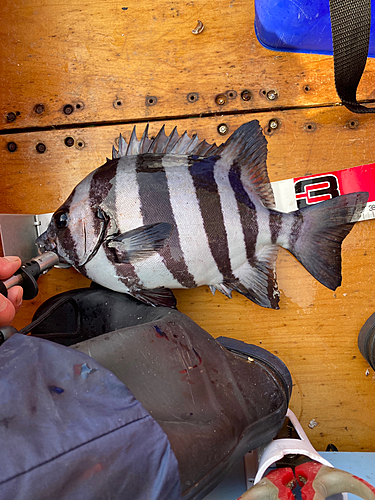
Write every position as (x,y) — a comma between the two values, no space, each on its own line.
(3,289)
(28,273)
(6,332)
(26,277)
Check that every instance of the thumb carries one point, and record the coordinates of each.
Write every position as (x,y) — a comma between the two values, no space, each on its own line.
(7,311)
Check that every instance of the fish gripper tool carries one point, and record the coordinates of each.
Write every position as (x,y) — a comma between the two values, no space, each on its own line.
(27,275)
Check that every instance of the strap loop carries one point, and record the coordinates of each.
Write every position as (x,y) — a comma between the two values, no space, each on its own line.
(351,23)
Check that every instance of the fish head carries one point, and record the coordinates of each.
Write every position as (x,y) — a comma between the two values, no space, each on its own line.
(75,232)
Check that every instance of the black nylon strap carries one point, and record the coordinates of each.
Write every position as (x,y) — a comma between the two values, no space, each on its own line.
(351,22)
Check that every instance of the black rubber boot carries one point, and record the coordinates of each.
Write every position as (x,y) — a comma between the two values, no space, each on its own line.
(215,399)
(366,341)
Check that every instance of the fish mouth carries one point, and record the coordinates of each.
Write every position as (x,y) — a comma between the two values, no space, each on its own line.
(46,244)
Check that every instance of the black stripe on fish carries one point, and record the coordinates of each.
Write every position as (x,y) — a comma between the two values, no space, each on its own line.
(161,212)
(149,163)
(70,246)
(66,239)
(295,230)
(275,224)
(248,217)
(202,172)
(102,183)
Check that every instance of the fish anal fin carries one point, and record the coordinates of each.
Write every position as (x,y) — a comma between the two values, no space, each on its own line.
(223,288)
(256,281)
(247,149)
(141,242)
(156,297)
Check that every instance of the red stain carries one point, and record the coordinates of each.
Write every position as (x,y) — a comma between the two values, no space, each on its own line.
(77,369)
(160,334)
(199,359)
(365,483)
(91,472)
(190,368)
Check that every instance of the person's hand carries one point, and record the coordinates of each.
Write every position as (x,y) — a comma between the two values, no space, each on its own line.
(9,306)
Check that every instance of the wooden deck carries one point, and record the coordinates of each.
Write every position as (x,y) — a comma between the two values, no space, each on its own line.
(119,64)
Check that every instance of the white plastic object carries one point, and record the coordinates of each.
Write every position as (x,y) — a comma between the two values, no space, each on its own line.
(278,448)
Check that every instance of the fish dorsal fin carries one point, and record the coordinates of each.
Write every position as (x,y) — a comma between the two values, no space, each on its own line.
(162,144)
(122,146)
(181,145)
(133,147)
(145,141)
(247,148)
(115,153)
(172,139)
(159,143)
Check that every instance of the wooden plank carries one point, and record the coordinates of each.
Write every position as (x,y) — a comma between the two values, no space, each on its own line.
(124,61)
(306,141)
(315,331)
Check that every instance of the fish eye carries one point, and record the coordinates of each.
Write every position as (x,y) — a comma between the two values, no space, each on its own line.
(61,219)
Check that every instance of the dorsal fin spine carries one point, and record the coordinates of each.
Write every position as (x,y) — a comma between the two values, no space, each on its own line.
(158,143)
(144,140)
(133,146)
(172,139)
(163,144)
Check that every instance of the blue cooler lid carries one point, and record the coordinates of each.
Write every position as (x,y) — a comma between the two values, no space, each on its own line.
(299,26)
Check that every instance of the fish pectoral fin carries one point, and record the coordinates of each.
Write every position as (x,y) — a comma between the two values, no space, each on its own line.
(156,297)
(141,242)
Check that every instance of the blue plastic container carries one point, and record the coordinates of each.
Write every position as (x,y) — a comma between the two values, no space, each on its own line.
(299,26)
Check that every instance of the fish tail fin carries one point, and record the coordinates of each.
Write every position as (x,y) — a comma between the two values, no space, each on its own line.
(318,232)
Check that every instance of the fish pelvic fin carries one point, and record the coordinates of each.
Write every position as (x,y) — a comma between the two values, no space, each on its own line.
(318,232)
(256,281)
(155,297)
(246,148)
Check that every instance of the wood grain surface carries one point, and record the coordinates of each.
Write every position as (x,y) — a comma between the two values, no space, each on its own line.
(106,60)
(131,60)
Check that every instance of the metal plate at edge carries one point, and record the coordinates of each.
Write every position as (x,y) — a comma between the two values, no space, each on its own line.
(18,233)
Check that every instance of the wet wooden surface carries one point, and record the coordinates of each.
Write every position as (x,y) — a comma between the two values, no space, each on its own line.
(107,60)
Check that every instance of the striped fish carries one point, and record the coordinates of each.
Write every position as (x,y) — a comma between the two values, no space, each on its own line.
(174,212)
